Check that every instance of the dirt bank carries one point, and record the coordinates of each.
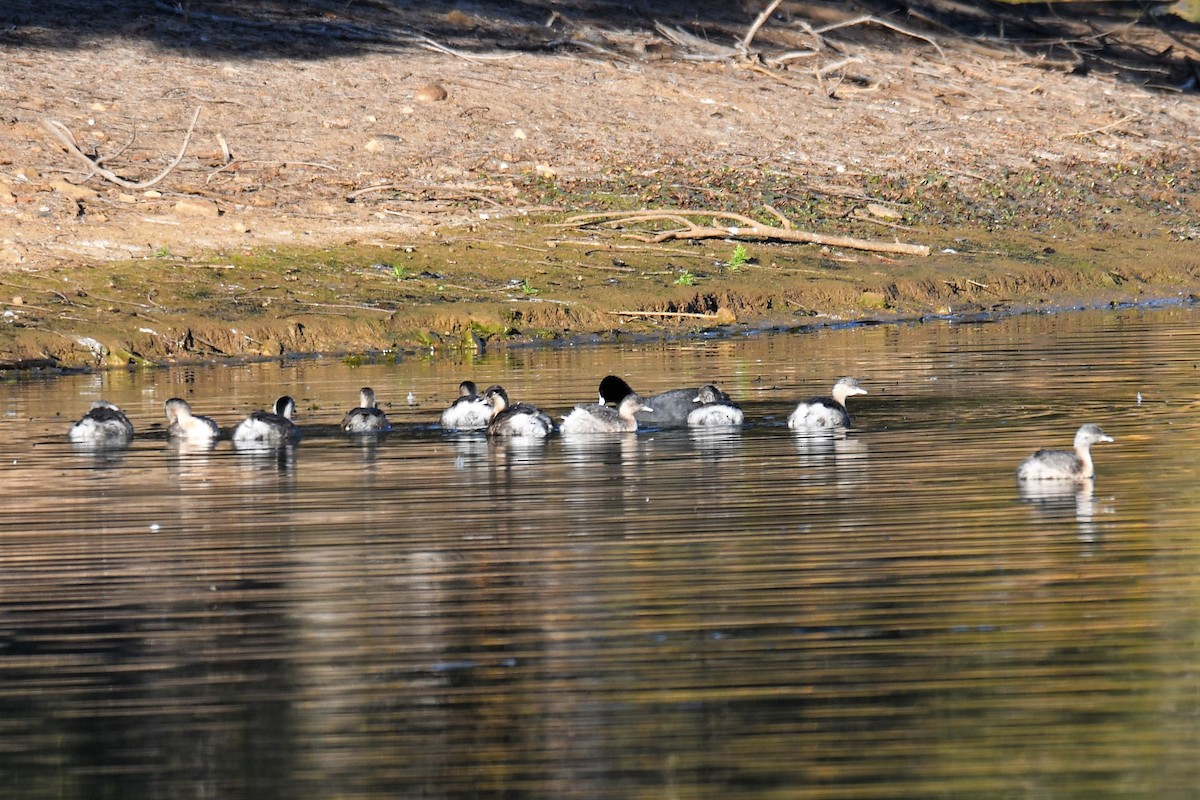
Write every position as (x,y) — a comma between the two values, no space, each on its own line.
(365,178)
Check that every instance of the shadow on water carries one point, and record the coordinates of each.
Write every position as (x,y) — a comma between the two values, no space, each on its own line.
(878,612)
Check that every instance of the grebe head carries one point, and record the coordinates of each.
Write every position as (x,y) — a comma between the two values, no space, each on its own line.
(468,389)
(632,404)
(1089,435)
(366,397)
(846,387)
(176,409)
(497,398)
(708,394)
(285,407)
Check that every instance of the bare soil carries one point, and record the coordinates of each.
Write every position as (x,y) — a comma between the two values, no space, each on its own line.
(370,177)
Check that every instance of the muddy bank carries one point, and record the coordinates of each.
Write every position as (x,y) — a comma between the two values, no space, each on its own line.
(524,280)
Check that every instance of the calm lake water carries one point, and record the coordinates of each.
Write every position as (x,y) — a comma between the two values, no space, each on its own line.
(662,615)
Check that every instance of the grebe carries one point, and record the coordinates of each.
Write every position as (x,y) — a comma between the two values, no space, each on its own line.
(710,410)
(597,418)
(184,426)
(520,419)
(367,418)
(1064,465)
(104,425)
(265,427)
(469,412)
(827,412)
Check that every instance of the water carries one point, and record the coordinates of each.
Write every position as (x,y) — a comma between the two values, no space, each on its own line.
(665,615)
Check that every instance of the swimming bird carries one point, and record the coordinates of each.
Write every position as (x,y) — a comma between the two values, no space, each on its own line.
(1064,465)
(826,412)
(184,426)
(104,425)
(598,418)
(519,419)
(712,411)
(368,417)
(266,427)
(469,412)
(671,408)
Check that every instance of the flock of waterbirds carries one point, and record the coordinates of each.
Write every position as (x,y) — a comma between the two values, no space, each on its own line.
(618,409)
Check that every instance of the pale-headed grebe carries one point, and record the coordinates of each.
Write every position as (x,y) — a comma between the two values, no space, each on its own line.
(1064,465)
(827,412)
(596,418)
(184,426)
(368,417)
(104,425)
(710,410)
(469,412)
(267,427)
(671,408)
(519,419)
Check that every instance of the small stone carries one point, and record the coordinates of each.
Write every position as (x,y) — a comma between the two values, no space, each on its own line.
(18,300)
(518,134)
(373,146)
(338,123)
(431,93)
(125,197)
(71,190)
(882,212)
(545,171)
(153,194)
(197,207)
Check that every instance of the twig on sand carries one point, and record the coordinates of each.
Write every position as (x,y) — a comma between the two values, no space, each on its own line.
(1103,128)
(746,229)
(64,137)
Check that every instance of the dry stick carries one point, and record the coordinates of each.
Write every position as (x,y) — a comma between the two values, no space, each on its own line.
(61,133)
(1104,128)
(687,314)
(753,231)
(884,23)
(759,21)
(767,232)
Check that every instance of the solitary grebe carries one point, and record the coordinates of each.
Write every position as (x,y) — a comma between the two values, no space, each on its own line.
(826,412)
(265,427)
(367,418)
(671,408)
(596,418)
(104,425)
(1064,465)
(520,419)
(188,427)
(467,413)
(712,411)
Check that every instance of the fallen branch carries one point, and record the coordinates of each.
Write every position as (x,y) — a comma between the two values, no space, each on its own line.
(747,229)
(759,21)
(64,137)
(687,314)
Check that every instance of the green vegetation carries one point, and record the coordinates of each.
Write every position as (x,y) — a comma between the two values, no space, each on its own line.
(739,259)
